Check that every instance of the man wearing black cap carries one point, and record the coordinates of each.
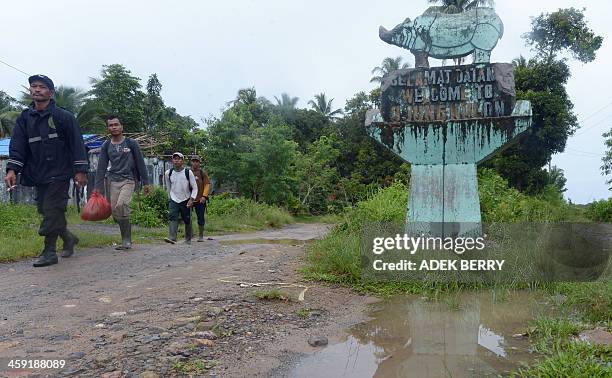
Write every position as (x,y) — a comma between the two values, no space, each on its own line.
(47,149)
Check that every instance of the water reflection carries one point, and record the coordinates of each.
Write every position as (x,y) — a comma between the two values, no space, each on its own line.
(420,338)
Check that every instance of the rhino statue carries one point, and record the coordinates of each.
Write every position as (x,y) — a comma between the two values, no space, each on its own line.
(448,36)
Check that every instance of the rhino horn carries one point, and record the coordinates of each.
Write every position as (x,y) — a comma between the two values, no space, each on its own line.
(384,34)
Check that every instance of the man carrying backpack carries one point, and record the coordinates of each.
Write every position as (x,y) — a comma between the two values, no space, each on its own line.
(183,191)
(202,198)
(127,167)
(47,149)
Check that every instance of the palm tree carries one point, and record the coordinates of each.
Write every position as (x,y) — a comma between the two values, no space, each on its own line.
(519,62)
(7,121)
(388,65)
(324,107)
(89,114)
(286,101)
(457,6)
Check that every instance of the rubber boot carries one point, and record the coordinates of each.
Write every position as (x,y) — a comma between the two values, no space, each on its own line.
(70,240)
(188,232)
(200,233)
(126,234)
(173,227)
(48,256)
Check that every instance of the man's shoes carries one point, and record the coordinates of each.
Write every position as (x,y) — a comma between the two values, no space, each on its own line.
(126,234)
(173,230)
(70,240)
(200,233)
(188,233)
(48,256)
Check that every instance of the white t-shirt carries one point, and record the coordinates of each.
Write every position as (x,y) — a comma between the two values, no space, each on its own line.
(179,187)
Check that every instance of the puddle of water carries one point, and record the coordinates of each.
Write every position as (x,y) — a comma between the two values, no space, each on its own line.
(413,337)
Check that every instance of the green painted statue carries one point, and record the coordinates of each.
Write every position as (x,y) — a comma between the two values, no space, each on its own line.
(448,36)
(446,120)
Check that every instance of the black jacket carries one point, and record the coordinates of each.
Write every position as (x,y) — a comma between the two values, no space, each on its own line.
(47,146)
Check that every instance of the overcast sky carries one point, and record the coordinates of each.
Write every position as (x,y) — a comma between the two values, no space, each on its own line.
(204,51)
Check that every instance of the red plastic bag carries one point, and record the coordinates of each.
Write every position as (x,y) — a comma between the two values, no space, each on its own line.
(97,208)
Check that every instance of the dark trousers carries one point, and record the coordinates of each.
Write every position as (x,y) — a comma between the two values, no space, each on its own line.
(51,202)
(176,209)
(200,209)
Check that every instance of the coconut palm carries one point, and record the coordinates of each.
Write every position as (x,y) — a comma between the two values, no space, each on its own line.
(286,101)
(457,6)
(89,114)
(7,122)
(324,107)
(388,65)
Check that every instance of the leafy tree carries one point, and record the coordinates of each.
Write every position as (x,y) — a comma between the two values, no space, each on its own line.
(266,164)
(564,30)
(119,92)
(457,6)
(308,126)
(181,132)
(606,168)
(153,104)
(388,65)
(361,158)
(553,121)
(542,81)
(317,174)
(228,135)
(321,105)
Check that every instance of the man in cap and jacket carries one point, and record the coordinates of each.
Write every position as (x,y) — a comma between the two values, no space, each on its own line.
(47,149)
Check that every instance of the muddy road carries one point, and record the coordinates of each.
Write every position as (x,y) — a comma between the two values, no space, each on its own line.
(163,310)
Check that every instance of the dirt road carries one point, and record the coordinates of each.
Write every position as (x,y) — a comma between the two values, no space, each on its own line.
(161,310)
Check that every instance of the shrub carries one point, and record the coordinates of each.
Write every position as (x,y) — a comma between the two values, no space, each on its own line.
(600,211)
(150,210)
(500,203)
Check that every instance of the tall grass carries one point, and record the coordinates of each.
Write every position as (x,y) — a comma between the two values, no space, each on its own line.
(223,213)
(336,258)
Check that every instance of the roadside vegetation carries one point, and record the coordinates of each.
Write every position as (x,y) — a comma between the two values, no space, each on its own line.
(19,237)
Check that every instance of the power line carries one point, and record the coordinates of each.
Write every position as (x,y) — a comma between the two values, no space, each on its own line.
(15,68)
(582,152)
(596,112)
(590,127)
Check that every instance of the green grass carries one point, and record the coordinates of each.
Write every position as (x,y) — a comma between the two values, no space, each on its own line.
(273,294)
(592,301)
(577,359)
(19,237)
(303,313)
(196,366)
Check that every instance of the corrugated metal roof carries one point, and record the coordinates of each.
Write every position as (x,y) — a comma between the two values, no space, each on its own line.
(4,146)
